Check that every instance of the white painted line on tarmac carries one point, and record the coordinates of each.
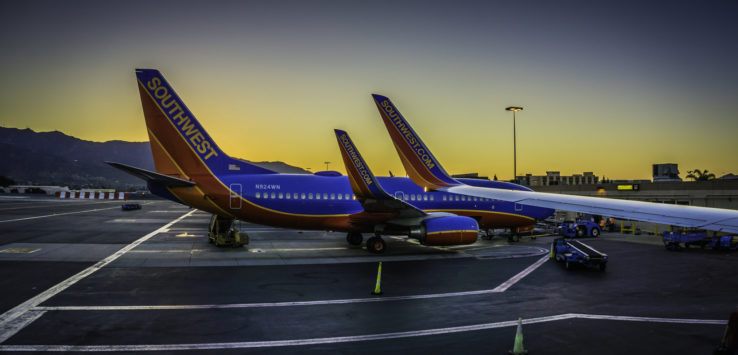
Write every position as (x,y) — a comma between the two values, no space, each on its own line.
(8,329)
(265,304)
(513,280)
(499,289)
(7,318)
(651,319)
(57,214)
(344,339)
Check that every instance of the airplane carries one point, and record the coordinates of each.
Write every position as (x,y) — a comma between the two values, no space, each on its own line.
(426,171)
(192,170)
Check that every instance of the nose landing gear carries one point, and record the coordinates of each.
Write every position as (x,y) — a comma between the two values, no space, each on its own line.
(223,233)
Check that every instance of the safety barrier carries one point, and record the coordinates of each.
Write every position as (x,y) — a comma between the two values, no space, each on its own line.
(88,195)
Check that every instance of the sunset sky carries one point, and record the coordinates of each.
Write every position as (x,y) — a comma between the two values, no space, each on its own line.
(609,87)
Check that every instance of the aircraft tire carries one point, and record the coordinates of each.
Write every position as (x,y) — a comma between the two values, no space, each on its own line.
(354,238)
(595,232)
(375,245)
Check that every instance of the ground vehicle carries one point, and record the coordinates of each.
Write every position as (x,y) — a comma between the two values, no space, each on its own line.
(575,252)
(579,228)
(130,206)
(675,240)
(725,242)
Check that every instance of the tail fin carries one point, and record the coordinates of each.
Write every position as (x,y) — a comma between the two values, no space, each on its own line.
(180,145)
(370,194)
(363,182)
(422,167)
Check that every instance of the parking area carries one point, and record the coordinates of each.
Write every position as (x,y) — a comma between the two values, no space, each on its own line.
(93,278)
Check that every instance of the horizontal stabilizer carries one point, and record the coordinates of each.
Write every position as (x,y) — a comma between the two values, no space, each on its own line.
(151,176)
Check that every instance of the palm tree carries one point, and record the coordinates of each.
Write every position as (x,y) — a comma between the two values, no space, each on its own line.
(700,175)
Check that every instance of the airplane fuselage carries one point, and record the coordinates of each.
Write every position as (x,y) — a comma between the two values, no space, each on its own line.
(325,201)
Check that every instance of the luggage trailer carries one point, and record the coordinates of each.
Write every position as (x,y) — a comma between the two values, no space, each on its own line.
(575,252)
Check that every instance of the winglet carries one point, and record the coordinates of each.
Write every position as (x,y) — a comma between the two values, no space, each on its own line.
(422,167)
(363,182)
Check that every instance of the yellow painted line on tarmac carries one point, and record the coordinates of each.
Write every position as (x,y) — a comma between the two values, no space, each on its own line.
(187,235)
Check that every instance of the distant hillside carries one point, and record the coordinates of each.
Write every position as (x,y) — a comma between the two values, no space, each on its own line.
(54,158)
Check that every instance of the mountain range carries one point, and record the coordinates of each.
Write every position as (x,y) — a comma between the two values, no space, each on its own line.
(54,158)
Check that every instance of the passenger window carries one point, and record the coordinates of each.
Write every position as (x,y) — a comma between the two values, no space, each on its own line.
(444,197)
(333,196)
(412,197)
(281,195)
(295,196)
(302,196)
(348,197)
(288,196)
(310,196)
(317,196)
(274,194)
(258,195)
(431,197)
(340,196)
(425,197)
(456,198)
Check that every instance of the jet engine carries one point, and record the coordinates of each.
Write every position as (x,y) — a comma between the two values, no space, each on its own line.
(447,230)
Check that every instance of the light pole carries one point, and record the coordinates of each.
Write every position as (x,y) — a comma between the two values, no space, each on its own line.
(326,164)
(515,153)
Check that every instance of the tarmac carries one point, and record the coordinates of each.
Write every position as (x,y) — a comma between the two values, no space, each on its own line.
(82,275)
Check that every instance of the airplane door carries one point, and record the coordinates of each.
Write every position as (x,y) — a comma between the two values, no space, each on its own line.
(518,207)
(235,198)
(399,195)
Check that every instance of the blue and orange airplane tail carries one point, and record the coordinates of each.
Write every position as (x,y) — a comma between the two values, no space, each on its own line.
(363,182)
(421,166)
(180,145)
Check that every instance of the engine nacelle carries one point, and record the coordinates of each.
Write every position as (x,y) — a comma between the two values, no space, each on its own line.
(449,230)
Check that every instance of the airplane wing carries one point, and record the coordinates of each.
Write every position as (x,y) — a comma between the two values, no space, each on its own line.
(151,176)
(365,186)
(716,219)
(426,171)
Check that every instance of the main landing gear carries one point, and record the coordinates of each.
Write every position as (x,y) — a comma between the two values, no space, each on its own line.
(354,238)
(222,233)
(376,245)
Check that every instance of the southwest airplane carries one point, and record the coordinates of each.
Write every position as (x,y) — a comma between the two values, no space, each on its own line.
(191,169)
(426,171)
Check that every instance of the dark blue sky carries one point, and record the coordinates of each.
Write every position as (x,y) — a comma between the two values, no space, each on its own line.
(636,82)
